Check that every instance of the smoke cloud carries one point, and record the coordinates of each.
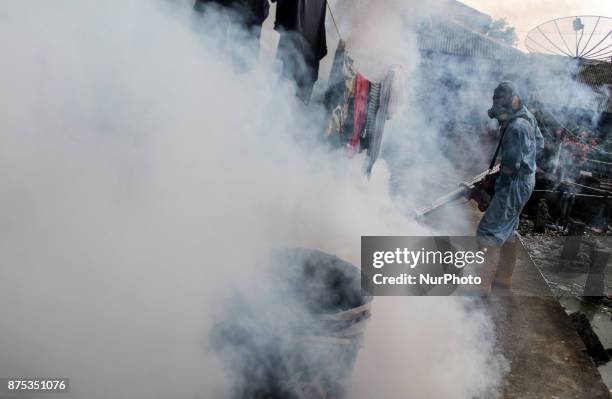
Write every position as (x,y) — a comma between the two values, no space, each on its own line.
(144,179)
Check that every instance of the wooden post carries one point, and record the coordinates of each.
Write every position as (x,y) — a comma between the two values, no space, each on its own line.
(567,206)
(564,202)
(542,217)
(608,214)
(573,240)
(595,283)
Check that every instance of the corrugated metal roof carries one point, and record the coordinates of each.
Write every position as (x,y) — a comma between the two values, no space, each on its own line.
(451,37)
(469,16)
(596,74)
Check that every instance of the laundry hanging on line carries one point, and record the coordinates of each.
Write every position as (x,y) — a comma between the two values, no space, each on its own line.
(302,44)
(391,99)
(358,109)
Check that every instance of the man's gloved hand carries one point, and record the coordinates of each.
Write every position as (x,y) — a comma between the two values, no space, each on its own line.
(485,200)
(482,198)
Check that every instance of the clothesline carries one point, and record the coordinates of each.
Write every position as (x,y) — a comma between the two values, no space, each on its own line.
(333,19)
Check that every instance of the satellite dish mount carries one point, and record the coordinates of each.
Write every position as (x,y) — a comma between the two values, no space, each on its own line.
(585,37)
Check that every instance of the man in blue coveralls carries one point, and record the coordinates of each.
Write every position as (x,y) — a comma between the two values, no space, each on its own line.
(521,140)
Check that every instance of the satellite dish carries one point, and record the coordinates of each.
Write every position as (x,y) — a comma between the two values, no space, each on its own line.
(582,37)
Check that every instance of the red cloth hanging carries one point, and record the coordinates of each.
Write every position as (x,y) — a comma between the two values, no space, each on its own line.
(362,85)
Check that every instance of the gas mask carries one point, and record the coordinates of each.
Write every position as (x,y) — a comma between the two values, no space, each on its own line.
(502,109)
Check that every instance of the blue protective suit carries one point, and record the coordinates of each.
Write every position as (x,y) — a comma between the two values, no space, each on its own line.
(521,142)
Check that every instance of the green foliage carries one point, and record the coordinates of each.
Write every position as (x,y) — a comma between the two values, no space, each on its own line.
(500,30)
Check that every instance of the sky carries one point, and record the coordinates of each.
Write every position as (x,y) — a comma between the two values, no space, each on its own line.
(527,14)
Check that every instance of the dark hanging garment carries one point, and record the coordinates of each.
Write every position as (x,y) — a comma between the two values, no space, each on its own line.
(252,12)
(250,15)
(301,24)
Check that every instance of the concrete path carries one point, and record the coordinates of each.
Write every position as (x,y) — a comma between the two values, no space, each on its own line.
(546,355)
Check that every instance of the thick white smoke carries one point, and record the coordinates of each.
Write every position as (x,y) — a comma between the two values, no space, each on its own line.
(375,45)
(142,178)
